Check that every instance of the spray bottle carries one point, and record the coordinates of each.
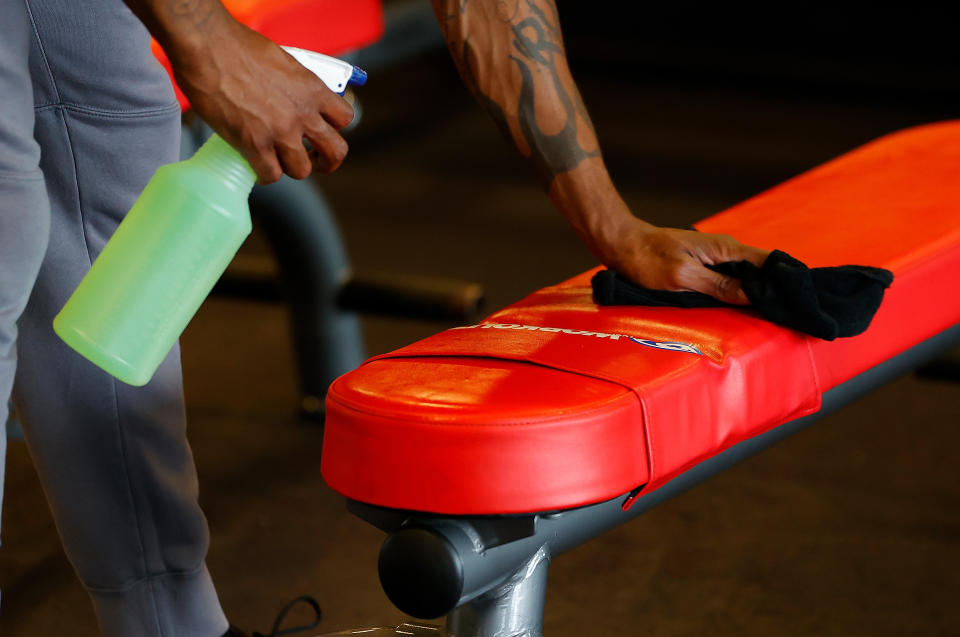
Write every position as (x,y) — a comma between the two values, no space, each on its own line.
(169,251)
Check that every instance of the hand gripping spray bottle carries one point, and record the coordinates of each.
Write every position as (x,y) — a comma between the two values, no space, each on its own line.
(169,251)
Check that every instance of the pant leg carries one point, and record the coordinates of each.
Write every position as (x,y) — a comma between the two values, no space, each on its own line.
(113,459)
(24,210)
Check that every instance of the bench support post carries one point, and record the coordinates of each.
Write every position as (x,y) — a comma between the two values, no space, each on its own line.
(514,608)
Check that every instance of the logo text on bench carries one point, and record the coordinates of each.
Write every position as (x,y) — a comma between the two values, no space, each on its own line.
(667,345)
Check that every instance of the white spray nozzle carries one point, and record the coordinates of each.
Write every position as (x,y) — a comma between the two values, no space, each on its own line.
(336,74)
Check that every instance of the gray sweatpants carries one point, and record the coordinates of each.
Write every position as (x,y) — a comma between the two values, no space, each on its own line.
(86,117)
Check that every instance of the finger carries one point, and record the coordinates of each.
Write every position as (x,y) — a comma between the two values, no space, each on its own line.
(756,256)
(726,289)
(329,149)
(733,250)
(263,159)
(337,111)
(294,159)
(720,287)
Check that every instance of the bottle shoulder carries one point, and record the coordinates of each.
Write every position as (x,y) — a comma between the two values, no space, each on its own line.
(196,182)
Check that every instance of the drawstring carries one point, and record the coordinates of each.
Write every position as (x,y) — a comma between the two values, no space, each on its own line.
(282,615)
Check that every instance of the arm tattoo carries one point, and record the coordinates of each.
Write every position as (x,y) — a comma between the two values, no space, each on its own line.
(536,50)
(538,45)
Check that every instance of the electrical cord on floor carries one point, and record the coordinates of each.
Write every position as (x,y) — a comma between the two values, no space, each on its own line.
(276,631)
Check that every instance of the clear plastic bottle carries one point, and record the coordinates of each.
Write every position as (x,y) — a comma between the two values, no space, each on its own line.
(169,251)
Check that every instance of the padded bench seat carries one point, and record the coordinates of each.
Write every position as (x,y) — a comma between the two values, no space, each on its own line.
(555,402)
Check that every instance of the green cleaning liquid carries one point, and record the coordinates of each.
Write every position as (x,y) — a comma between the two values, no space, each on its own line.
(161,263)
(169,251)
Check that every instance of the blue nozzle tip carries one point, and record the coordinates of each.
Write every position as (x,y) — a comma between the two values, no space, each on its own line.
(358,77)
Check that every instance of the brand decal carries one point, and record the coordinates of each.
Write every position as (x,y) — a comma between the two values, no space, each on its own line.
(667,345)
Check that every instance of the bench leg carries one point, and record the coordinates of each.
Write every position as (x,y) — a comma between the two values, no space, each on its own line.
(328,342)
(514,609)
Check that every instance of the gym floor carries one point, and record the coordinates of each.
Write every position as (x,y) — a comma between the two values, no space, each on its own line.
(851,527)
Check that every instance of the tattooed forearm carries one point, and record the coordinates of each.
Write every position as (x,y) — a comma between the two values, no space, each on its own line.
(510,54)
(492,108)
(552,22)
(555,153)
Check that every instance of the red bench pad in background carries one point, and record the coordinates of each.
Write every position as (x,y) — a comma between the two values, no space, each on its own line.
(549,404)
(331,27)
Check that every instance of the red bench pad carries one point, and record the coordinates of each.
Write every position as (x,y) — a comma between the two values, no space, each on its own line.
(555,402)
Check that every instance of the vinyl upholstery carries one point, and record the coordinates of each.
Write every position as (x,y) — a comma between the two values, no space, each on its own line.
(554,402)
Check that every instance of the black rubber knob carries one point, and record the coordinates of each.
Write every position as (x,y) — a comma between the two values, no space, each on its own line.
(421,572)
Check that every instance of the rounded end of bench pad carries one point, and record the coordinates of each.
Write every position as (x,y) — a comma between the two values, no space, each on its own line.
(421,573)
(480,436)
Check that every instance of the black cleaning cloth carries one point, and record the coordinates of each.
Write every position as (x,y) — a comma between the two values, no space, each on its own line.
(823,302)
